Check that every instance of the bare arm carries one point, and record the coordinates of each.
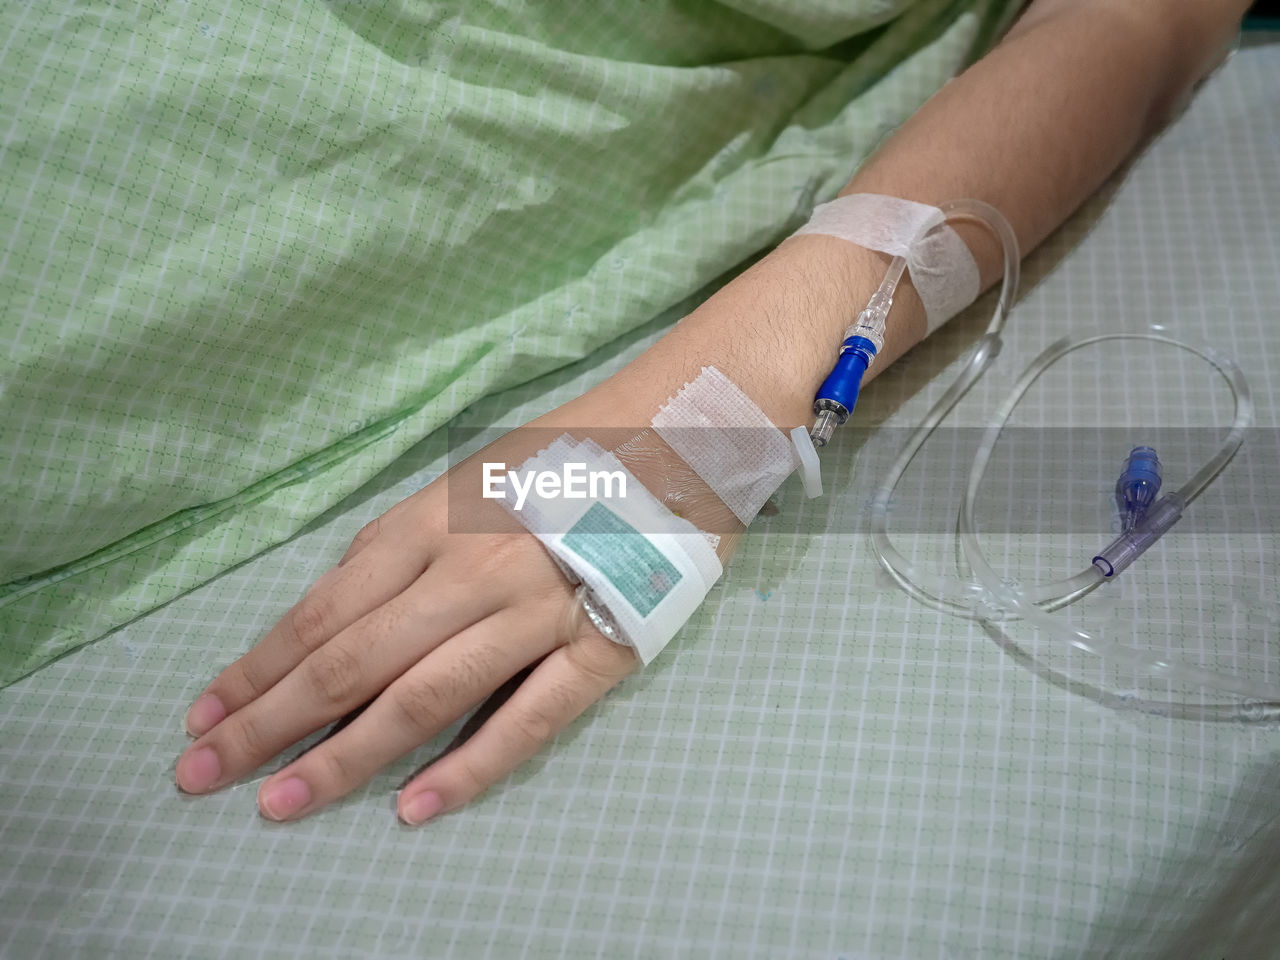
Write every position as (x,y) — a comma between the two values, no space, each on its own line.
(1033,128)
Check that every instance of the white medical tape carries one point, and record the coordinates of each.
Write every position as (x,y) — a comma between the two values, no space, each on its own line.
(647,567)
(942,269)
(728,441)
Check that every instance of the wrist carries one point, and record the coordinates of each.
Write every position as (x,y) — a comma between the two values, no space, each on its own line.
(775,329)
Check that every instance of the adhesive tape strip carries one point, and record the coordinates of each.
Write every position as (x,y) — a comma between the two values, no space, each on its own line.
(728,441)
(647,567)
(942,269)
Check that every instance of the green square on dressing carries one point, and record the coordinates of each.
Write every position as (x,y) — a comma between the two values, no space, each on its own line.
(625,556)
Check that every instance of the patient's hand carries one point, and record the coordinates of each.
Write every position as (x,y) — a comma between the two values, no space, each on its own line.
(424,621)
(427,622)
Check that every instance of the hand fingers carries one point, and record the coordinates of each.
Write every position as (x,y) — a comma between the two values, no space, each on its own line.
(560,688)
(354,666)
(432,694)
(379,572)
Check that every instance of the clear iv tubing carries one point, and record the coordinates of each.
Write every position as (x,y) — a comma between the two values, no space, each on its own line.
(989,594)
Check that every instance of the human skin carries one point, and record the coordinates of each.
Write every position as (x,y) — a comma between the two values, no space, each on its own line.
(426,624)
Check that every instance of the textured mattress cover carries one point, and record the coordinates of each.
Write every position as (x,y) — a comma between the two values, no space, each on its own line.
(818,766)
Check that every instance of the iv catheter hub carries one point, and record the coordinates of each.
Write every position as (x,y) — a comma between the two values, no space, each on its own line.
(838,394)
(862,341)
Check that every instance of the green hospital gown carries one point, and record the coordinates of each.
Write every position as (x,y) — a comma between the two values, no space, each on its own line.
(253,252)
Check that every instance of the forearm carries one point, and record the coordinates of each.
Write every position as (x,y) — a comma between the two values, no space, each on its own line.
(1038,124)
(1033,128)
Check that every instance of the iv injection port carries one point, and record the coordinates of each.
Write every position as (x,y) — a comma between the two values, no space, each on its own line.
(1128,547)
(1138,486)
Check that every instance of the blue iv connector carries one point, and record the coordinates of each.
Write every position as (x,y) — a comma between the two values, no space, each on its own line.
(838,394)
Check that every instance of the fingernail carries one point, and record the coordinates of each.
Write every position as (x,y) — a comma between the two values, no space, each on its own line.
(198,770)
(421,808)
(205,714)
(284,798)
